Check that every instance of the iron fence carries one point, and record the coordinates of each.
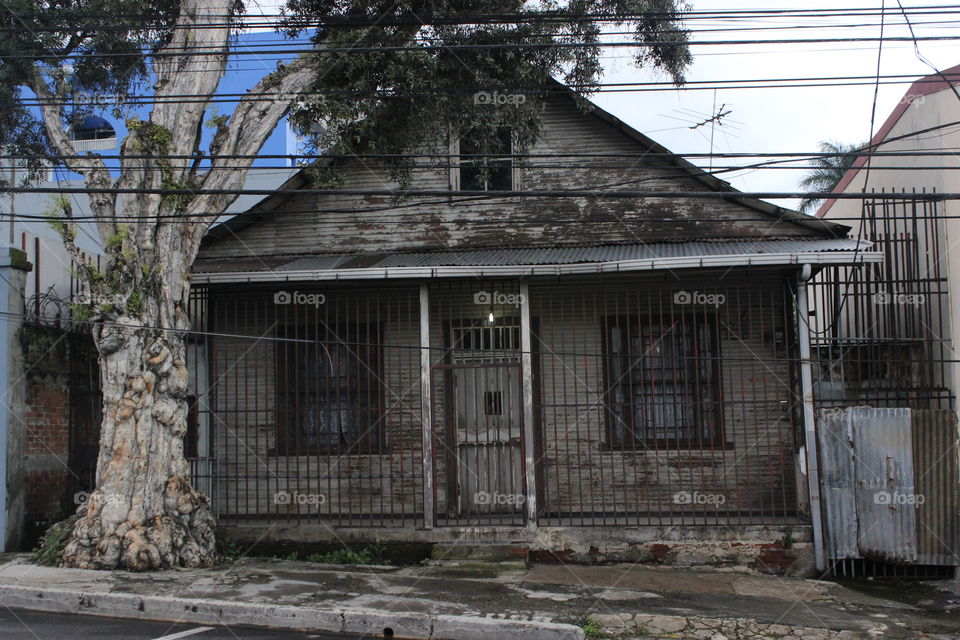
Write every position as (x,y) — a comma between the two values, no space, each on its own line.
(637,400)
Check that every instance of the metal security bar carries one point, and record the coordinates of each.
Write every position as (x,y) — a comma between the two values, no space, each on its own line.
(667,400)
(881,335)
(881,331)
(641,400)
(479,447)
(308,404)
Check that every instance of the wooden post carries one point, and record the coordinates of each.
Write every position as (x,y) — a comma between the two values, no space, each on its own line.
(426,407)
(526,365)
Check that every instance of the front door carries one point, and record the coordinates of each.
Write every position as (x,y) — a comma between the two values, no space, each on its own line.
(484,428)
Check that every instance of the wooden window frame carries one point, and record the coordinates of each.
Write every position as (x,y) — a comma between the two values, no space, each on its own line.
(711,436)
(456,171)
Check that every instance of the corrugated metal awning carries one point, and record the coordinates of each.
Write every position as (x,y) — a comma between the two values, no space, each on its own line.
(538,260)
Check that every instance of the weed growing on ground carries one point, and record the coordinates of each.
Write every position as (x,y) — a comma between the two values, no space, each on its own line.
(592,630)
(366,555)
(52,543)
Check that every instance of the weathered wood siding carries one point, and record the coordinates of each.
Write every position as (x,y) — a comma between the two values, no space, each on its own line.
(311,224)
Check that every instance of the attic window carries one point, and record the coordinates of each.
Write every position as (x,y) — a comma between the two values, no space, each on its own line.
(486,167)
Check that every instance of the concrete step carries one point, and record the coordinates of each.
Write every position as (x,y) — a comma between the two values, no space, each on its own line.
(480,552)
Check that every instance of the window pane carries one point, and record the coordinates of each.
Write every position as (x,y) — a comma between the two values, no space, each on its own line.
(330,421)
(328,392)
(474,157)
(664,412)
(660,379)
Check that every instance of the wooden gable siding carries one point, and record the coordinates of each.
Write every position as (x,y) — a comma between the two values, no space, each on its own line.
(329,224)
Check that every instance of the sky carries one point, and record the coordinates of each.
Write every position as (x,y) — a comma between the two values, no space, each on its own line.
(773,120)
(780,119)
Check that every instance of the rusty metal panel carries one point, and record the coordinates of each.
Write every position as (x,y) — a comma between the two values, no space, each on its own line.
(884,476)
(935,462)
(834,430)
(536,255)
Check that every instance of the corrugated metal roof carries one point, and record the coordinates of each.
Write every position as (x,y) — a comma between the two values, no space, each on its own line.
(562,255)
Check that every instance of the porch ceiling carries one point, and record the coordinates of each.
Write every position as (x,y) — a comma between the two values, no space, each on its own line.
(537,260)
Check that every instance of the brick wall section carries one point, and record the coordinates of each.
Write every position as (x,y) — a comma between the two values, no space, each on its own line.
(47,378)
(48,414)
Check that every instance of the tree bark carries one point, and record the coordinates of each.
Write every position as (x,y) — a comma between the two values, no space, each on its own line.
(144,514)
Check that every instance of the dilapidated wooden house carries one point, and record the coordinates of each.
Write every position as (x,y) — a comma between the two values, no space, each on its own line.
(596,375)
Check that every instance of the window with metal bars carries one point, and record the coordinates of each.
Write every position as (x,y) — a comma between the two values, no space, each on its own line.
(329,390)
(663,382)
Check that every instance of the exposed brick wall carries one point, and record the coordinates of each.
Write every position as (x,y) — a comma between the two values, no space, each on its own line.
(48,414)
(47,451)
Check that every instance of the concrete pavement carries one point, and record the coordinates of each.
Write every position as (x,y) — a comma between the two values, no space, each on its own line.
(462,602)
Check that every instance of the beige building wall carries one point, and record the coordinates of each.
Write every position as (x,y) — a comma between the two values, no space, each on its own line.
(919,113)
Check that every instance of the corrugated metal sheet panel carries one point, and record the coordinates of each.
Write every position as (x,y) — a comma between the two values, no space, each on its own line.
(935,460)
(834,430)
(886,496)
(890,484)
(552,255)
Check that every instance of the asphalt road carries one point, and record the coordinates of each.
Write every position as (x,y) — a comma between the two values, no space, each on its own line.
(16,624)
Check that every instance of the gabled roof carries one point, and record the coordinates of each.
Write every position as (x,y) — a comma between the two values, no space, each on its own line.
(828,229)
(925,86)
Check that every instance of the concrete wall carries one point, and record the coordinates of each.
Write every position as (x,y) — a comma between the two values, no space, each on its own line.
(13,433)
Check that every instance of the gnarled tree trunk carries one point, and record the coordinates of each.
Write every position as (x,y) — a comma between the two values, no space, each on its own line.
(144,514)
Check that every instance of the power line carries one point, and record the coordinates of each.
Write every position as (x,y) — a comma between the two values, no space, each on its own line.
(425,47)
(534,193)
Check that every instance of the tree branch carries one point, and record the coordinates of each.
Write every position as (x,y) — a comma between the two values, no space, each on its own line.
(91,167)
(203,29)
(251,124)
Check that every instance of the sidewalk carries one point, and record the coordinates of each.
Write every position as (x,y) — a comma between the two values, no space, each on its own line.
(549,602)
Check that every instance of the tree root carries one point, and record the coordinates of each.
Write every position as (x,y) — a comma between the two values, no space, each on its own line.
(181,536)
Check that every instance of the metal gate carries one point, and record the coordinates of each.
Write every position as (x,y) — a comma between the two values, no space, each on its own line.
(482,423)
(890,484)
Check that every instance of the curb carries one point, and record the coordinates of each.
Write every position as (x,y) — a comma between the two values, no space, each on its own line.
(206,611)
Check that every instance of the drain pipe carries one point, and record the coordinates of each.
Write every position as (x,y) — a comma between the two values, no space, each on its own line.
(809,418)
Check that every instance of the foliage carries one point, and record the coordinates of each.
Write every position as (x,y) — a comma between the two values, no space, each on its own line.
(366,555)
(227,549)
(105,41)
(41,343)
(828,171)
(591,629)
(385,67)
(52,542)
(380,82)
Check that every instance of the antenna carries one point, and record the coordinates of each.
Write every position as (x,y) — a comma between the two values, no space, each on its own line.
(713,121)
